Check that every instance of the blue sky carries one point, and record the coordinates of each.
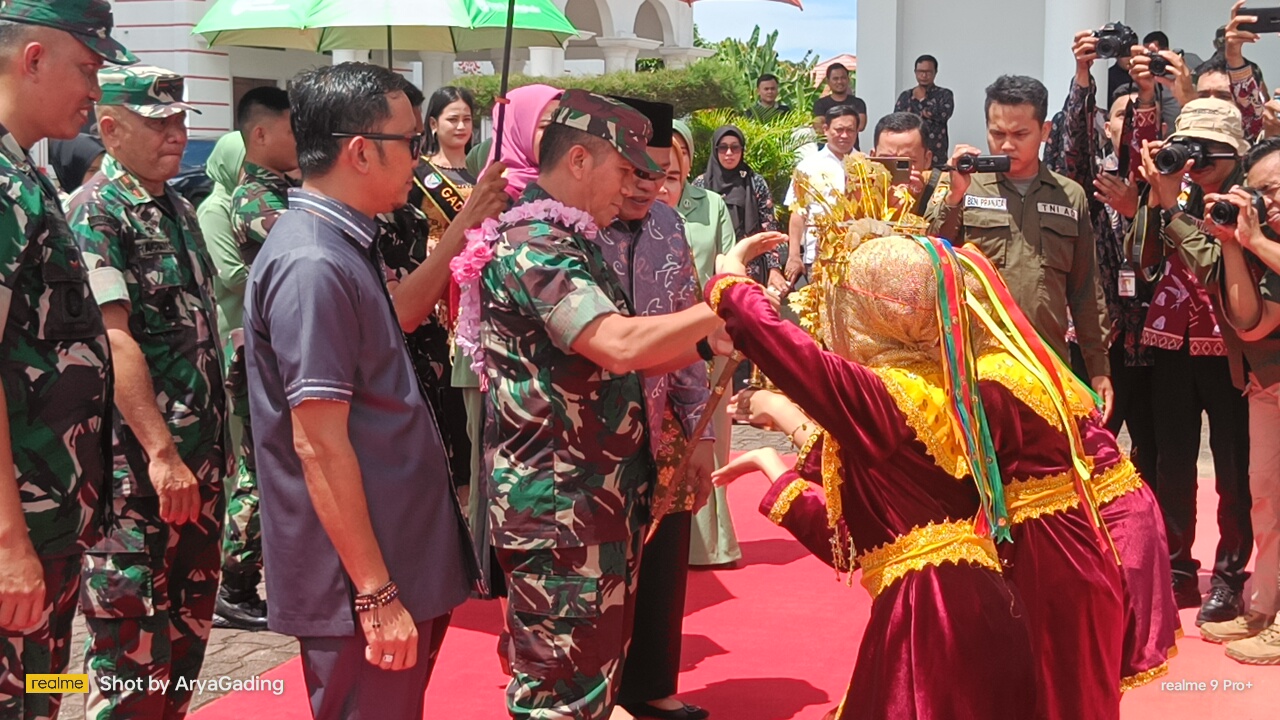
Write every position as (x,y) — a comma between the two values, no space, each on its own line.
(828,27)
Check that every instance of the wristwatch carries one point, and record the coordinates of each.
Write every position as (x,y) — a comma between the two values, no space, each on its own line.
(705,351)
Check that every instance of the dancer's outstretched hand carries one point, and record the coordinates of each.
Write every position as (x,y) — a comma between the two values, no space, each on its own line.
(765,460)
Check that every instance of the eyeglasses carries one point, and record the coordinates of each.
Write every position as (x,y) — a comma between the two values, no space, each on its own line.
(726,149)
(415,140)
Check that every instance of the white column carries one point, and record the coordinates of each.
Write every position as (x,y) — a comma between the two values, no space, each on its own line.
(879,72)
(341,56)
(677,57)
(437,70)
(615,59)
(620,53)
(546,61)
(1062,20)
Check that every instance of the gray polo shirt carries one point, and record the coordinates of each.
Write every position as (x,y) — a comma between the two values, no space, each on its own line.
(319,326)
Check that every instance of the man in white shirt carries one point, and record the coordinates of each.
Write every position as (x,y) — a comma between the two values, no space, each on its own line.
(825,171)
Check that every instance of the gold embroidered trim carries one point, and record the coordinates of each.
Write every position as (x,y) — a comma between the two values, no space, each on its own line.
(832,478)
(809,445)
(724,283)
(1142,678)
(1000,367)
(933,544)
(1118,480)
(1029,499)
(923,404)
(782,505)
(1146,676)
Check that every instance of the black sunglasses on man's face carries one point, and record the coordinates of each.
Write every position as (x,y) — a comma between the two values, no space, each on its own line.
(415,140)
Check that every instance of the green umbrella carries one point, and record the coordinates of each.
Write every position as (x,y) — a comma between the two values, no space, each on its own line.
(424,25)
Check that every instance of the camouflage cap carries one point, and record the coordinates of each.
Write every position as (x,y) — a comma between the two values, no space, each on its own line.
(90,21)
(150,91)
(624,127)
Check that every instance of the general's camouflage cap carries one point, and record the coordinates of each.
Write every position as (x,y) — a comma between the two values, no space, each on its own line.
(89,21)
(150,91)
(625,128)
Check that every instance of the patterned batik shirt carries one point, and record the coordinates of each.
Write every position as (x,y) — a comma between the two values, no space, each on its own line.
(153,258)
(54,362)
(570,460)
(654,265)
(256,203)
(935,110)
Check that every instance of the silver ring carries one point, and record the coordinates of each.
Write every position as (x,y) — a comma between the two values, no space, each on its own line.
(388,658)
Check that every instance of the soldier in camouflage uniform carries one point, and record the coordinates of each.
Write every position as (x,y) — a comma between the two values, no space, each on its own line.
(54,357)
(150,585)
(256,203)
(571,465)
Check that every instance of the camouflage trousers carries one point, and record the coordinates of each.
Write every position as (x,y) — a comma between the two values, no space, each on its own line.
(242,537)
(43,650)
(148,594)
(570,613)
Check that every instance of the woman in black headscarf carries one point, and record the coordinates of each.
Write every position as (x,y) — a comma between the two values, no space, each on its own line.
(747,196)
(75,160)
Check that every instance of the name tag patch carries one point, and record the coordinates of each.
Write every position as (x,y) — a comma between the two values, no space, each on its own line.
(986,203)
(1062,210)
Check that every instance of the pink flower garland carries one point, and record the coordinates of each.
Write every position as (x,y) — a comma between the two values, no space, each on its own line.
(470,263)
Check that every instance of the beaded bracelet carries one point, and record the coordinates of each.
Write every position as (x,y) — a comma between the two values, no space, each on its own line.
(379,598)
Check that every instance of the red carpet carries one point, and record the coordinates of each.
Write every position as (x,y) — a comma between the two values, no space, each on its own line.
(776,639)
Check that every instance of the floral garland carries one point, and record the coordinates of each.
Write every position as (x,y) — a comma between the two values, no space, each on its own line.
(469,263)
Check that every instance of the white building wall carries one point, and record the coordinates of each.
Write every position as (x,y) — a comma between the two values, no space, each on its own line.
(977,40)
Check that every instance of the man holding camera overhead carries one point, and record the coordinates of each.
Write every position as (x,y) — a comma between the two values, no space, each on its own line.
(1034,225)
(1191,373)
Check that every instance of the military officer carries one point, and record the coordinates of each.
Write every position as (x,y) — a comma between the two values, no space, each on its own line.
(150,585)
(256,203)
(54,356)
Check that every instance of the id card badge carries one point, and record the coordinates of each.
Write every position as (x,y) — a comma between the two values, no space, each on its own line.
(1128,284)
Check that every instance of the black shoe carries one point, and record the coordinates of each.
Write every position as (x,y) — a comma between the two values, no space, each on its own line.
(1186,595)
(1223,604)
(687,712)
(248,614)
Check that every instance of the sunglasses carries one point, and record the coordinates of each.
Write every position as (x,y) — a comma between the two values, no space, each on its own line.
(415,141)
(724,148)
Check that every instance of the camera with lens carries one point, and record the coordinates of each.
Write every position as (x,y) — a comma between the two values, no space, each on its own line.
(1159,66)
(967,164)
(1175,154)
(1115,40)
(1225,213)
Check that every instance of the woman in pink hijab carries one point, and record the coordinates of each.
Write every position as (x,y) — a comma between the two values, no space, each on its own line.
(528,113)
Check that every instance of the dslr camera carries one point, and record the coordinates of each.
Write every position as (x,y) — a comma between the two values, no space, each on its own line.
(1115,40)
(1225,213)
(1175,154)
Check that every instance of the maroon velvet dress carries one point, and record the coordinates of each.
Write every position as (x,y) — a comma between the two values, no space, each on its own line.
(1068,577)
(1133,518)
(946,640)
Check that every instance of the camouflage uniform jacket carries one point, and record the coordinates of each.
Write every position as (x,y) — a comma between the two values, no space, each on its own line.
(571,465)
(255,204)
(54,362)
(141,254)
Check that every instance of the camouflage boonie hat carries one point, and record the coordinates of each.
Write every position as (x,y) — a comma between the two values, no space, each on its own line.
(90,21)
(150,91)
(624,127)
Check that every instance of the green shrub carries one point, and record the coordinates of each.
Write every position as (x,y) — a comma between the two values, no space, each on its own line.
(703,84)
(752,58)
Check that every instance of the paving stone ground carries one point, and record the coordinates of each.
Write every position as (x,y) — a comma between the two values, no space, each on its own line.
(240,655)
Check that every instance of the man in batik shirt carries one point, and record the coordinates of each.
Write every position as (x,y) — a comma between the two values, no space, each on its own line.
(933,104)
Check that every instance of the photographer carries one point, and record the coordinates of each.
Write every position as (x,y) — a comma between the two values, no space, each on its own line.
(1192,374)
(1233,267)
(1110,172)
(1034,225)
(901,135)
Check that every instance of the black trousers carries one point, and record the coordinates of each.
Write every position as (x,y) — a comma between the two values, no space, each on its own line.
(1185,386)
(343,685)
(1132,408)
(652,669)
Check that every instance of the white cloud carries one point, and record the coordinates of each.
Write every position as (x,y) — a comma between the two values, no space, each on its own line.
(828,27)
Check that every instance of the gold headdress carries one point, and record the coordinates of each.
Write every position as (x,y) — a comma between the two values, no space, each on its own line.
(873,308)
